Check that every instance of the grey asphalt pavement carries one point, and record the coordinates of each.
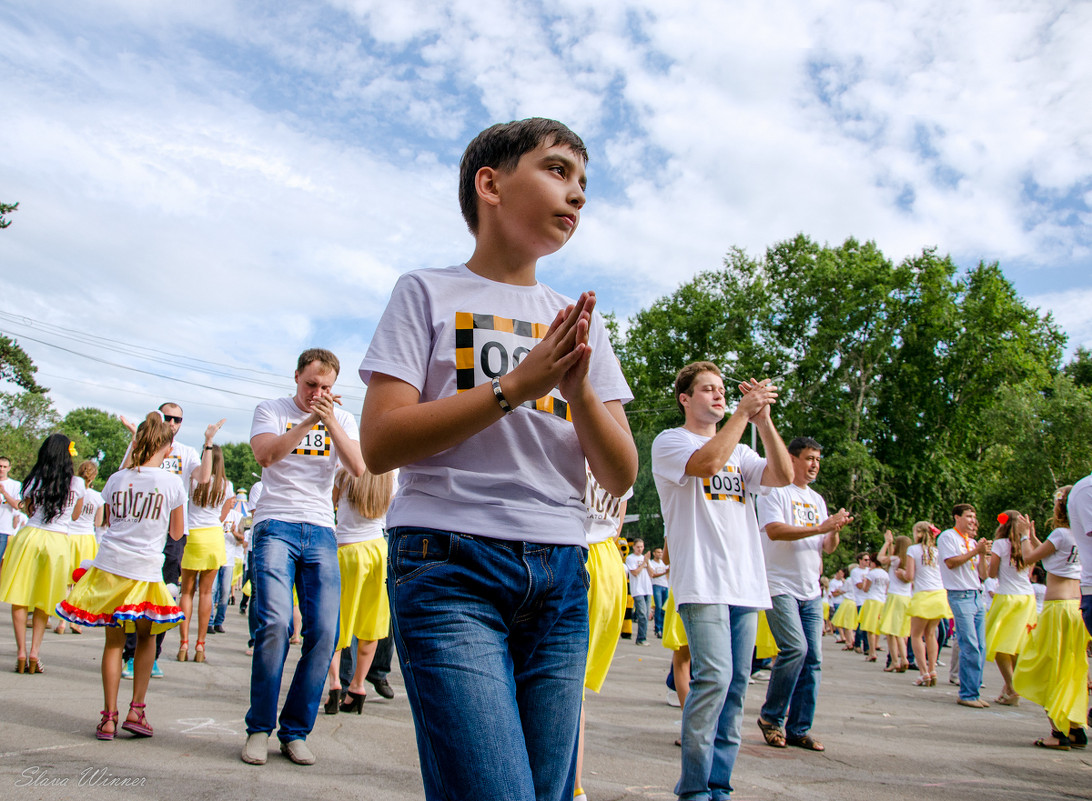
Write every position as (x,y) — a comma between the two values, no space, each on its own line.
(885,738)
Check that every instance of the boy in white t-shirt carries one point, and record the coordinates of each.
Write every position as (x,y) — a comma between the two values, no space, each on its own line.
(489,389)
(705,478)
(10,490)
(797,532)
(299,442)
(640,587)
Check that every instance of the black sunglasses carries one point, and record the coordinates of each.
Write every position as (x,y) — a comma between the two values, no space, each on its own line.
(170,418)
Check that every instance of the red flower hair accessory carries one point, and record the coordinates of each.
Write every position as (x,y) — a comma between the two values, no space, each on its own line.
(1002,518)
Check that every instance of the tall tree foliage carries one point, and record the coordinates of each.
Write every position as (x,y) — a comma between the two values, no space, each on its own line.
(893,367)
(16,366)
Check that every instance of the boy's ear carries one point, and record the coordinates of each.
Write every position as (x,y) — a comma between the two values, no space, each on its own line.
(485,183)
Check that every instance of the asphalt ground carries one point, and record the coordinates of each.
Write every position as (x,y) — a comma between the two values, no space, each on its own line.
(885,738)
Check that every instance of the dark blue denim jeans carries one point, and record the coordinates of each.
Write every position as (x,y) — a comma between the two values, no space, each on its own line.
(492,640)
(304,556)
(797,627)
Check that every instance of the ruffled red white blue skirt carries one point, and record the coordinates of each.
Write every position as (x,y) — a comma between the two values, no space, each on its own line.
(106,599)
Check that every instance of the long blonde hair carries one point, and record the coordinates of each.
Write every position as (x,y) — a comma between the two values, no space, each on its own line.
(369,495)
(152,435)
(923,533)
(902,542)
(211,492)
(1007,531)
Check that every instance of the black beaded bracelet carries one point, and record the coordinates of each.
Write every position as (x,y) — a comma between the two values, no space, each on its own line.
(503,401)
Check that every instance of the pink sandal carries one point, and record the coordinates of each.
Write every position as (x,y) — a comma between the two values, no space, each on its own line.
(100,730)
(140,727)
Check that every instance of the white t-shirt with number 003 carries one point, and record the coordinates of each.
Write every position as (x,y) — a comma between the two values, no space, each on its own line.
(299,487)
(712,531)
(793,566)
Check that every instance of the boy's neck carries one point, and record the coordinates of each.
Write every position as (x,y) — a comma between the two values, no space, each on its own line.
(502,265)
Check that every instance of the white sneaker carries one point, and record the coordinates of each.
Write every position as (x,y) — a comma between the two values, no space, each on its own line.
(673,698)
(761,675)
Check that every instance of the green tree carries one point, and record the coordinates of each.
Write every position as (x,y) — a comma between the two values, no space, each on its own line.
(5,209)
(26,418)
(1080,368)
(16,366)
(105,438)
(240,466)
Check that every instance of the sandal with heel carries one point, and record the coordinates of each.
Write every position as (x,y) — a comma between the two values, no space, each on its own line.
(333,702)
(100,730)
(199,651)
(140,727)
(20,664)
(35,665)
(354,702)
(183,651)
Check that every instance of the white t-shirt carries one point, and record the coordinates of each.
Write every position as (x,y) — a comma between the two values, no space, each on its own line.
(857,576)
(604,511)
(926,577)
(7,512)
(206,516)
(1079,509)
(62,521)
(299,487)
(1040,596)
(1065,561)
(877,591)
(232,547)
(355,527)
(659,567)
(833,587)
(1009,581)
(895,585)
(712,531)
(641,584)
(85,523)
(793,567)
(255,494)
(449,330)
(140,501)
(965,577)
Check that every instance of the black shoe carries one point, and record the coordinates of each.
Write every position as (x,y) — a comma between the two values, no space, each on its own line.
(333,701)
(210,631)
(219,630)
(231,601)
(352,702)
(383,687)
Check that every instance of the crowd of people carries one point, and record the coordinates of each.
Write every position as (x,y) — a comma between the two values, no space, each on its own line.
(474,518)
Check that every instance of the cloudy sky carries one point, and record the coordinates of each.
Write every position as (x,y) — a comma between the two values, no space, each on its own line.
(206,188)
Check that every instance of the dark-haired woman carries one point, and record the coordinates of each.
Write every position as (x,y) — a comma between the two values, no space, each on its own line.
(38,561)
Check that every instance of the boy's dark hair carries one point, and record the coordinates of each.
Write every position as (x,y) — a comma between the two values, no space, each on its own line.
(802,444)
(500,146)
(961,509)
(324,357)
(684,381)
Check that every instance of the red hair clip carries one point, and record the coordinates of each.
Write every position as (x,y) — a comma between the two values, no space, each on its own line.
(934,529)
(1002,518)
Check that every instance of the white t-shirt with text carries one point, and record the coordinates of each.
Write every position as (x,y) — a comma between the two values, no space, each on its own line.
(793,567)
(140,501)
(7,512)
(63,521)
(1079,509)
(964,577)
(926,576)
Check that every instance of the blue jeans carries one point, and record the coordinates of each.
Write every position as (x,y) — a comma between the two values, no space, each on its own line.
(797,627)
(640,616)
(659,597)
(221,591)
(970,630)
(1086,612)
(287,554)
(721,638)
(492,639)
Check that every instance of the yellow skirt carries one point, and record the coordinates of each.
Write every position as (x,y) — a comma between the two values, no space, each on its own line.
(674,631)
(606,610)
(895,620)
(1052,670)
(1008,621)
(365,608)
(765,644)
(845,616)
(37,569)
(931,605)
(205,549)
(106,599)
(237,571)
(869,619)
(826,610)
(83,547)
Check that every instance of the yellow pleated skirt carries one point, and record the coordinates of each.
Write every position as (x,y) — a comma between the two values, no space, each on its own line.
(826,610)
(1008,621)
(765,644)
(107,599)
(365,608)
(606,610)
(845,616)
(237,571)
(931,605)
(674,631)
(37,569)
(869,618)
(84,547)
(1053,670)
(205,549)
(895,619)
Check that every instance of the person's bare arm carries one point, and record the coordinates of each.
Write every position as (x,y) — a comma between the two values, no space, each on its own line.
(995,566)
(77,509)
(908,571)
(708,460)
(9,499)
(225,510)
(785,532)
(178,523)
(955,561)
(100,516)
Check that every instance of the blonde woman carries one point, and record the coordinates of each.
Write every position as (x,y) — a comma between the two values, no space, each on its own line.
(895,620)
(205,553)
(1012,612)
(1053,668)
(929,601)
(361,505)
